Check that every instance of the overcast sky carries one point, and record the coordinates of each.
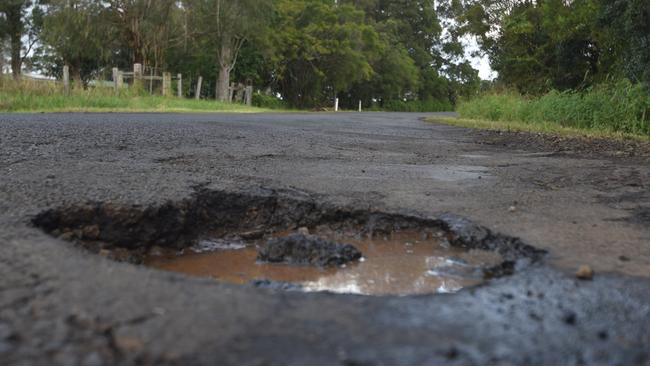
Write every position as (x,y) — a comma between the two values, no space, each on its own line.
(482,64)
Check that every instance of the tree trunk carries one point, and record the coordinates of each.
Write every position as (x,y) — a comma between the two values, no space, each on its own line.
(2,63)
(223,84)
(15,23)
(77,81)
(223,80)
(16,59)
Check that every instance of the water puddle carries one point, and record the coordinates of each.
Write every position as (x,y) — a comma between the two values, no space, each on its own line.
(403,263)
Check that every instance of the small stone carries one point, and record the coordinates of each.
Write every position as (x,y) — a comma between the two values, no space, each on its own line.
(91,232)
(67,236)
(156,251)
(128,344)
(585,273)
(303,231)
(570,318)
(512,209)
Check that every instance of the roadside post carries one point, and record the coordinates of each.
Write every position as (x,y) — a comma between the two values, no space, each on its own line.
(167,84)
(197,94)
(66,80)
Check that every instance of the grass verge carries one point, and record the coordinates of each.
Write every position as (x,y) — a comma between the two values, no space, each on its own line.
(548,128)
(615,109)
(30,96)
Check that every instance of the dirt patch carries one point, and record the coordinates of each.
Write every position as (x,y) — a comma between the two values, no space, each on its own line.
(579,146)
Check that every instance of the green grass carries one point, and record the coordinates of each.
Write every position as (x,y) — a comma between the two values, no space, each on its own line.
(614,109)
(549,128)
(31,96)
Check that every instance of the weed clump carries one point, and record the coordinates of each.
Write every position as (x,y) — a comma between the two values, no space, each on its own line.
(620,107)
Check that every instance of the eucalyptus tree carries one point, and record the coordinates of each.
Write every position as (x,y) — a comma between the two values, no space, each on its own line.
(323,49)
(223,27)
(74,33)
(3,36)
(146,28)
(14,14)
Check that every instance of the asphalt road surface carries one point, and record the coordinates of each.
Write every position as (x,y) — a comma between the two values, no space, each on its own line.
(61,305)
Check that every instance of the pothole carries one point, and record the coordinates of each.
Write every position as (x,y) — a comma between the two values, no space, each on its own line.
(228,236)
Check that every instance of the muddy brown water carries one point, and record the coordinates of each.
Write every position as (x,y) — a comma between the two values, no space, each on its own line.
(401,264)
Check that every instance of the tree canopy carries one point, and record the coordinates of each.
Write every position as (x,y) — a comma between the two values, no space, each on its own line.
(312,51)
(556,44)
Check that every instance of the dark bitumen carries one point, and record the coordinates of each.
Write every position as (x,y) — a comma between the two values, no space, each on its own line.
(63,305)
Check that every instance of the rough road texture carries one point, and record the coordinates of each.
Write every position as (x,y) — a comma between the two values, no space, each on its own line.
(60,305)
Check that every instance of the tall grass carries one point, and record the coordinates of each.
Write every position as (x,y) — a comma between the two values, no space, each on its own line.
(47,96)
(413,106)
(620,107)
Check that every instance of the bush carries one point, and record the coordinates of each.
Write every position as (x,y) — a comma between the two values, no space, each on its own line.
(615,107)
(416,106)
(268,101)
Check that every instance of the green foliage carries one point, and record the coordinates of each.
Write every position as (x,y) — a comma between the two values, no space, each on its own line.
(613,107)
(47,96)
(308,51)
(537,46)
(73,34)
(268,101)
(322,49)
(625,30)
(415,106)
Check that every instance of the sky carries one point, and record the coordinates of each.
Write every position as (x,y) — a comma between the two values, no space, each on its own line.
(482,64)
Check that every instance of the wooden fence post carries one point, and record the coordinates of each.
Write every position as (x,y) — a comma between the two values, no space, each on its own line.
(249,95)
(137,76)
(66,80)
(120,80)
(179,86)
(167,84)
(197,94)
(231,92)
(116,85)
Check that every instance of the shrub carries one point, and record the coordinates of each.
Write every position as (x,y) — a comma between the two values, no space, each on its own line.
(615,107)
(268,101)
(416,106)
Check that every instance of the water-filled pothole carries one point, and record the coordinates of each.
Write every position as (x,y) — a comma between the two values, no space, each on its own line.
(400,263)
(217,234)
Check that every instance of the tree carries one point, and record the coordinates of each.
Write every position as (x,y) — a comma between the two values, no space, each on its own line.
(535,45)
(322,50)
(3,38)
(626,35)
(14,25)
(74,34)
(223,27)
(144,27)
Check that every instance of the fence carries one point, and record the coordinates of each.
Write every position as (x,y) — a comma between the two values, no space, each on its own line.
(157,82)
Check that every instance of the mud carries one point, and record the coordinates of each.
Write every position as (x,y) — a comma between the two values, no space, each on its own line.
(587,147)
(402,263)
